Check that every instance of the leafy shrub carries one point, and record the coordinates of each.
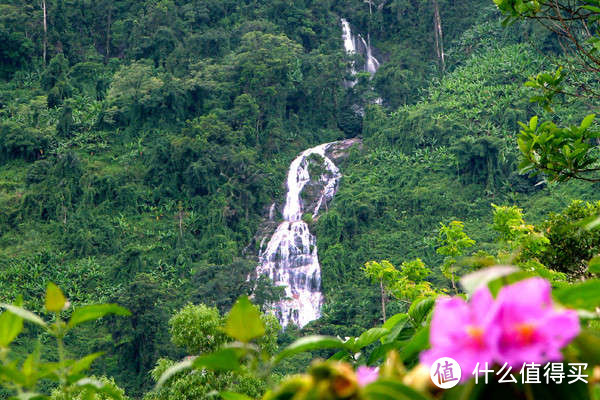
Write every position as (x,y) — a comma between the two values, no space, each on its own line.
(20,141)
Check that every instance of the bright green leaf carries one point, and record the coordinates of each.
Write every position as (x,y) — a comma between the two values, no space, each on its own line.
(10,326)
(340,355)
(95,311)
(585,295)
(419,310)
(594,265)
(28,396)
(593,224)
(587,121)
(309,343)
(244,322)
(401,322)
(473,281)
(99,387)
(416,344)
(173,370)
(84,363)
(368,337)
(505,280)
(55,299)
(25,314)
(234,396)
(588,345)
(383,389)
(533,122)
(221,360)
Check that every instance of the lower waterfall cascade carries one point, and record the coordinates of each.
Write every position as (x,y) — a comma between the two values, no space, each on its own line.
(290,257)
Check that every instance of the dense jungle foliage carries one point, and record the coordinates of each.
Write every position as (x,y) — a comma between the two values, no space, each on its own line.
(142,143)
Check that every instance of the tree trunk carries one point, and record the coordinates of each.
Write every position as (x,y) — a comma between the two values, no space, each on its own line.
(382,299)
(454,284)
(439,39)
(108,24)
(45,42)
(370,22)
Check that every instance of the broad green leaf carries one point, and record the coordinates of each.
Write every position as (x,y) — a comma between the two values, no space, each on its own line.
(244,322)
(397,329)
(499,283)
(55,299)
(340,355)
(393,320)
(10,373)
(221,360)
(84,363)
(533,122)
(25,314)
(29,367)
(95,311)
(380,352)
(594,265)
(10,326)
(368,337)
(416,344)
(99,387)
(473,281)
(593,224)
(584,295)
(384,389)
(28,396)
(234,396)
(587,121)
(523,146)
(588,345)
(418,310)
(309,343)
(173,370)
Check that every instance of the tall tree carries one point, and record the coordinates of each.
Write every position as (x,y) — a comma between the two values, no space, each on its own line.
(45,25)
(439,37)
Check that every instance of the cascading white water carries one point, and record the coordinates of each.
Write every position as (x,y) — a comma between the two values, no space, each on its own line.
(372,64)
(290,258)
(350,45)
(347,36)
(272,212)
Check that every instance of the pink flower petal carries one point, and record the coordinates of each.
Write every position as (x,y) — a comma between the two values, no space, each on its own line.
(366,375)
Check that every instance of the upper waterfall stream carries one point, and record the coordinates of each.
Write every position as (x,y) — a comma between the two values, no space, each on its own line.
(290,258)
(358,45)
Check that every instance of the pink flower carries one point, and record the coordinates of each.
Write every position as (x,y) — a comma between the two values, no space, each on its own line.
(521,326)
(366,375)
(533,330)
(464,331)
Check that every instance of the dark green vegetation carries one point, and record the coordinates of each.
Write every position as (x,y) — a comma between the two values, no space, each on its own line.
(141,144)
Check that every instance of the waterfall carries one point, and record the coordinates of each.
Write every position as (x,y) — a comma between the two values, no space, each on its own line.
(290,257)
(372,64)
(358,44)
(347,37)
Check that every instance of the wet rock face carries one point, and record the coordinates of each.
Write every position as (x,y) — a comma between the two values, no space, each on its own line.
(316,189)
(290,257)
(339,150)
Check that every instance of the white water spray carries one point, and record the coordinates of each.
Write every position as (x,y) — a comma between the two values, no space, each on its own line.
(290,258)
(358,44)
